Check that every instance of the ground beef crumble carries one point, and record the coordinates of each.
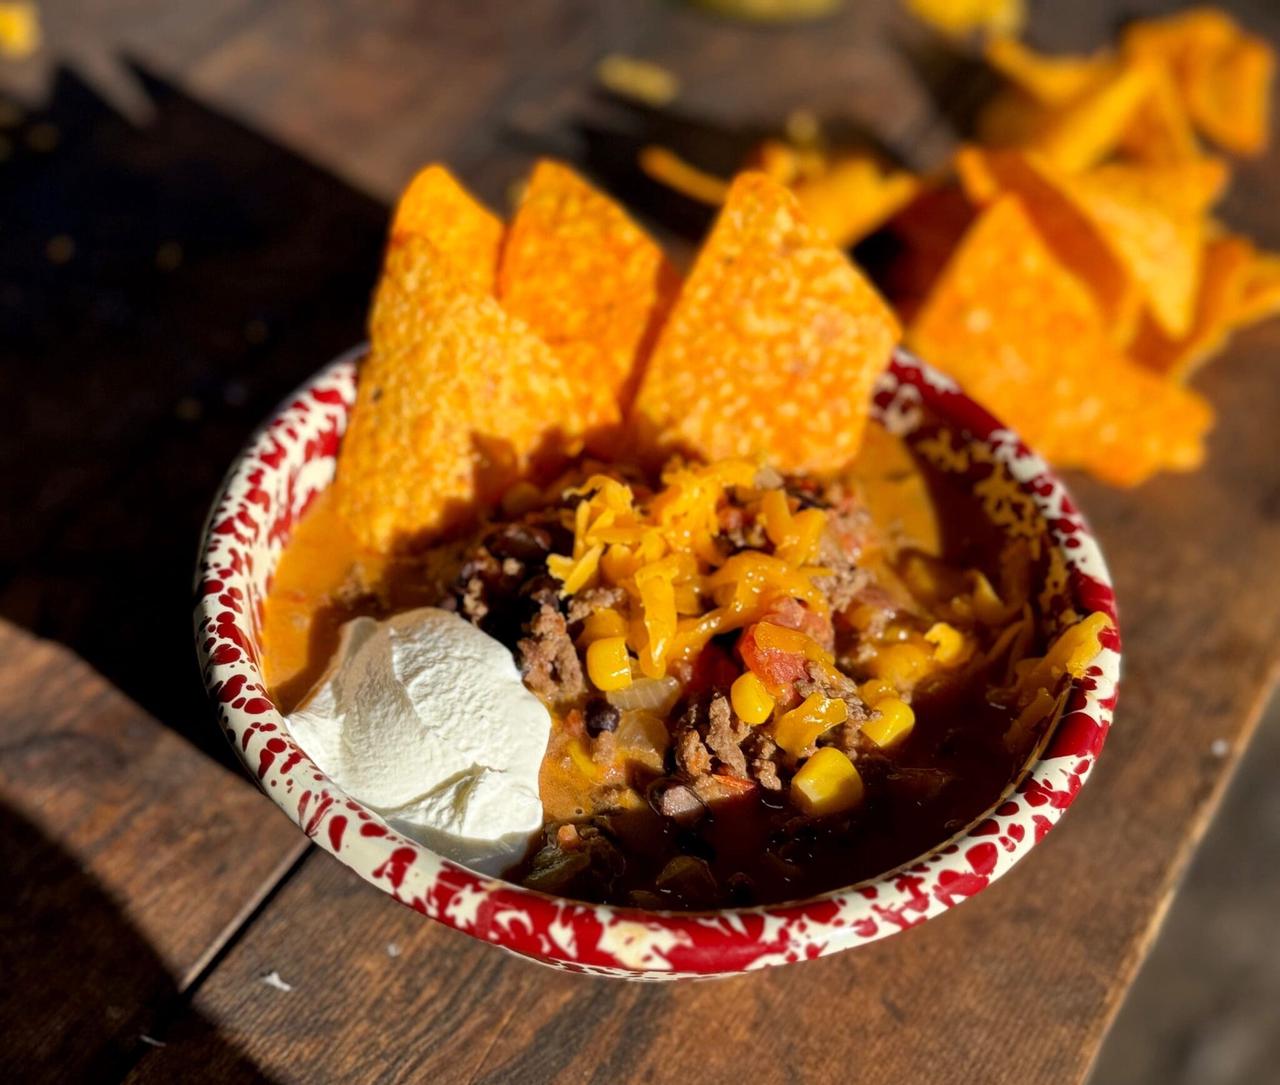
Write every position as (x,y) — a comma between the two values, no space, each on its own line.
(549,660)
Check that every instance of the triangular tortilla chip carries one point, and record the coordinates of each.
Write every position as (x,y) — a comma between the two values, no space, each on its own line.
(1148,221)
(1160,130)
(1153,217)
(1087,129)
(1227,263)
(590,283)
(456,401)
(1224,74)
(437,207)
(1075,240)
(772,346)
(1023,336)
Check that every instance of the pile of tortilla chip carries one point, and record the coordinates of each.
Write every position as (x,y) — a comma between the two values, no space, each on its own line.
(1066,266)
(499,351)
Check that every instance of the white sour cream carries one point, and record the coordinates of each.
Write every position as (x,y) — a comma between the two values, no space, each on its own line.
(424,718)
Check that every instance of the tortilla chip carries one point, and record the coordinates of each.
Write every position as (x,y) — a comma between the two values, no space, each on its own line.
(1074,238)
(437,207)
(773,344)
(590,283)
(1086,130)
(1154,219)
(956,18)
(1146,221)
(1260,292)
(1223,73)
(1024,337)
(854,197)
(1050,80)
(1227,262)
(1160,130)
(456,401)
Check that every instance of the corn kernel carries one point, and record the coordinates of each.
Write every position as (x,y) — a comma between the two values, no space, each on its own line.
(608,665)
(800,728)
(828,783)
(892,725)
(875,690)
(901,664)
(750,700)
(601,624)
(950,647)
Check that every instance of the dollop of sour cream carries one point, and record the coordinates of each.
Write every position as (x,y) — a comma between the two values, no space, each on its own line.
(424,718)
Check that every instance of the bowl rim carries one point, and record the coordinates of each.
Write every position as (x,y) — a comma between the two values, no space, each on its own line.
(289,460)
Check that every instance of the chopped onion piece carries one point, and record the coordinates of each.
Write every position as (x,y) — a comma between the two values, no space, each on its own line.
(657,695)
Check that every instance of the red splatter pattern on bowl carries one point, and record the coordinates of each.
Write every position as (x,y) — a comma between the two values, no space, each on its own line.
(292,459)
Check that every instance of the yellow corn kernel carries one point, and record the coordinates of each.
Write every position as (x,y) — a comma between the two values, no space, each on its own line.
(950,646)
(799,729)
(828,783)
(875,690)
(601,624)
(892,725)
(900,664)
(608,665)
(750,700)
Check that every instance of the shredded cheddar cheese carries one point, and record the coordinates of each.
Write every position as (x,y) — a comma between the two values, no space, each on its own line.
(664,552)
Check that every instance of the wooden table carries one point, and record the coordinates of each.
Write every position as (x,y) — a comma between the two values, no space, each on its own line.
(164,283)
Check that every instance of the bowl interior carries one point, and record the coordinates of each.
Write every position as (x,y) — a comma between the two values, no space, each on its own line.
(292,459)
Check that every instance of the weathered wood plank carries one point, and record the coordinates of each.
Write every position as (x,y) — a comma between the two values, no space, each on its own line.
(129,858)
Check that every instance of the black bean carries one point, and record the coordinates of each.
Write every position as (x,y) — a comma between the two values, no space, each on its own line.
(543,590)
(524,542)
(600,715)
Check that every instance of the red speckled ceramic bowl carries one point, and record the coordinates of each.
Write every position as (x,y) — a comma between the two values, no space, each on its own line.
(292,459)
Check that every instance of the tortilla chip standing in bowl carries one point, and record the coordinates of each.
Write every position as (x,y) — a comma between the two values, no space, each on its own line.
(591,284)
(467,233)
(456,401)
(772,346)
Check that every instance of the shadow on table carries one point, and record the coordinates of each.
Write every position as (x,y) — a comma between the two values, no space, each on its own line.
(161,288)
(81,986)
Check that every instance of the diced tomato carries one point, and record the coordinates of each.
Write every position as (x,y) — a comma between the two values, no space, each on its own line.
(777,669)
(793,614)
